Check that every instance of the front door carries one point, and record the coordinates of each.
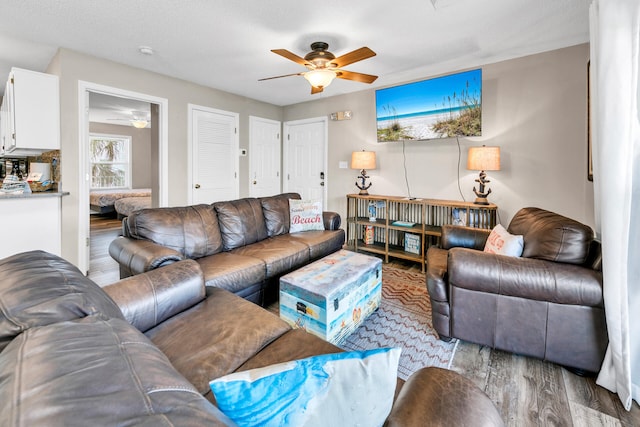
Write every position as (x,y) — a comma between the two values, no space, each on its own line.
(305,158)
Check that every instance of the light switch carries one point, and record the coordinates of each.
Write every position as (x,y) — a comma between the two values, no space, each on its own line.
(343,165)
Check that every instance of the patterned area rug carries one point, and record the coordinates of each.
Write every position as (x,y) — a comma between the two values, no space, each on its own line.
(403,320)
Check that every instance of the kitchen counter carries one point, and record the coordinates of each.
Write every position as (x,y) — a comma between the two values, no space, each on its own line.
(31,221)
(33,195)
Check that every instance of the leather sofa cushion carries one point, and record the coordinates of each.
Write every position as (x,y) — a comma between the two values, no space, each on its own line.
(293,345)
(191,230)
(276,213)
(148,299)
(215,337)
(525,278)
(280,254)
(241,222)
(232,271)
(552,237)
(95,372)
(320,243)
(39,288)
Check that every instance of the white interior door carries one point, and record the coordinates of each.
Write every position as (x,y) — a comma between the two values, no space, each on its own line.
(305,160)
(264,157)
(214,143)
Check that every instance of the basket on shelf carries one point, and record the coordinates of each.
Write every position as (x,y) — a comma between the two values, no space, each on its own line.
(37,186)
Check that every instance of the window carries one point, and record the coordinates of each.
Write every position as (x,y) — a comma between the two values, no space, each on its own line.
(110,161)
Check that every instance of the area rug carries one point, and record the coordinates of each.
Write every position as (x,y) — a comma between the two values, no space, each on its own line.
(403,320)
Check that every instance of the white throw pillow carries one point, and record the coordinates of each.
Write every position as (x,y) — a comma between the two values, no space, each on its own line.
(305,215)
(343,389)
(501,242)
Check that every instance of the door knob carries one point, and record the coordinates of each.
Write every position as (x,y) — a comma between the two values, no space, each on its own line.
(197,185)
(322,184)
(255,182)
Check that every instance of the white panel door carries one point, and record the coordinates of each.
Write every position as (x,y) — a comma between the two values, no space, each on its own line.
(305,158)
(264,157)
(214,150)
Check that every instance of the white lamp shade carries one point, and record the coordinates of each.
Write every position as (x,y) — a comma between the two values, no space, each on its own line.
(320,78)
(483,159)
(363,160)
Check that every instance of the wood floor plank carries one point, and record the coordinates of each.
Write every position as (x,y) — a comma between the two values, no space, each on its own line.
(584,391)
(102,268)
(584,416)
(472,361)
(510,395)
(548,385)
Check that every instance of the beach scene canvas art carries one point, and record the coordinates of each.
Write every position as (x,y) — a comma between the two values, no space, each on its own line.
(442,107)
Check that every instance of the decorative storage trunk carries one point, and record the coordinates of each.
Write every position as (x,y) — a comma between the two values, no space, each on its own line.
(331,297)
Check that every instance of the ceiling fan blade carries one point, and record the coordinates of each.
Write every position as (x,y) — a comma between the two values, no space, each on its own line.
(315,90)
(355,56)
(358,77)
(277,77)
(291,56)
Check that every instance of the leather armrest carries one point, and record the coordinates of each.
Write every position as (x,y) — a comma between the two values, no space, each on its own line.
(148,299)
(138,256)
(440,397)
(456,236)
(524,277)
(332,220)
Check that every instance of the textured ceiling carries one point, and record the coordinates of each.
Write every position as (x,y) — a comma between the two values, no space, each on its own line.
(226,44)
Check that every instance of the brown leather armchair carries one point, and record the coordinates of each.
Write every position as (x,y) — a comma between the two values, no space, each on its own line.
(546,304)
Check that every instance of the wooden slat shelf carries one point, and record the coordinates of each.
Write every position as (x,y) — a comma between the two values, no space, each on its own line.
(427,216)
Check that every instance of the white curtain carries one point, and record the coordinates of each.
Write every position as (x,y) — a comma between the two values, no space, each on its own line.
(615,103)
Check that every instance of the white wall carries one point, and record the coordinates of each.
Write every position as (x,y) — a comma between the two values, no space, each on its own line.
(72,67)
(534,108)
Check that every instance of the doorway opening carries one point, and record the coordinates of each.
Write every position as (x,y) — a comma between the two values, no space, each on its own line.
(123,155)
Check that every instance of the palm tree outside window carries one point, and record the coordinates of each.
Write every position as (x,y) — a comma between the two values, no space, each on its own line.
(110,161)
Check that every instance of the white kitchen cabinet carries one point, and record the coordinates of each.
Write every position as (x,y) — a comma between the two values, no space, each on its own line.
(31,113)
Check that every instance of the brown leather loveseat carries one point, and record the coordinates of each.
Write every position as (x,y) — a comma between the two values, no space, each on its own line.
(243,245)
(546,304)
(142,351)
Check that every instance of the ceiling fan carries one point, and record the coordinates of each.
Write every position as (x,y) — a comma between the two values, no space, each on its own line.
(323,66)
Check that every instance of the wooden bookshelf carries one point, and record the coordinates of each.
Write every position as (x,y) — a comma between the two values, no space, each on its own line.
(421,226)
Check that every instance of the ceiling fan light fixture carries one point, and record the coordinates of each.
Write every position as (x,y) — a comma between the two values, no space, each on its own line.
(320,78)
(140,124)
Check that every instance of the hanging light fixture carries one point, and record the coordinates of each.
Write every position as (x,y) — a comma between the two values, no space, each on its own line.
(140,124)
(139,120)
(320,77)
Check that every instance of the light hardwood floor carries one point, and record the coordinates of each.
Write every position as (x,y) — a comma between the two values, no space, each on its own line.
(526,391)
(102,268)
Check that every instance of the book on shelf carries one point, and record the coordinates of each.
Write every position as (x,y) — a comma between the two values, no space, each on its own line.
(403,223)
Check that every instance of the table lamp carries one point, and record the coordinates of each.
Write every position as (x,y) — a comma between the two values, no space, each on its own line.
(363,160)
(483,159)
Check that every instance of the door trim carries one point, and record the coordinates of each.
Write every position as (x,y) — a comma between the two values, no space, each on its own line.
(84,88)
(236,142)
(285,153)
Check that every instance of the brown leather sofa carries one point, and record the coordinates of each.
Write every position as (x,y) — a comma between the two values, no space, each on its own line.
(547,304)
(142,351)
(243,246)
